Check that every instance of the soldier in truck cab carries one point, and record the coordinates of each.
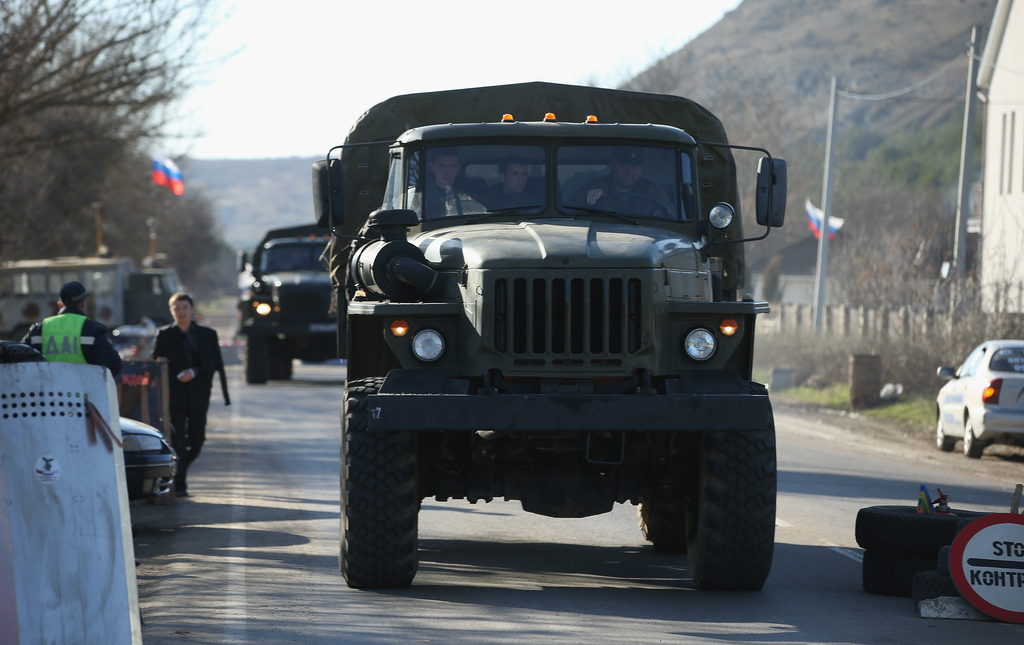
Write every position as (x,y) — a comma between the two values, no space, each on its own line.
(443,196)
(624,189)
(512,190)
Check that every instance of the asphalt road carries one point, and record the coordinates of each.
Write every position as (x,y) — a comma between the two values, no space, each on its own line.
(251,556)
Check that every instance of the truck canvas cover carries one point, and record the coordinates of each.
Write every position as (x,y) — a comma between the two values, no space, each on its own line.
(365,167)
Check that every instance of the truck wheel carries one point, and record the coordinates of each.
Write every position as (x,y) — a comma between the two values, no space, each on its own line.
(257,360)
(280,366)
(663,523)
(730,511)
(379,498)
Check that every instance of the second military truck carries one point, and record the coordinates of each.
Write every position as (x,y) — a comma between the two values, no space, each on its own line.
(285,301)
(538,287)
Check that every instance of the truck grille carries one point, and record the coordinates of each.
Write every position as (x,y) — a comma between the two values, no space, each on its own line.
(300,305)
(575,316)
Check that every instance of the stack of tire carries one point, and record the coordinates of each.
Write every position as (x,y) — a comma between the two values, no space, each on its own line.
(906,553)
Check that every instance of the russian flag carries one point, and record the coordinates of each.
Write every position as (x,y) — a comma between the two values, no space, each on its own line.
(814,218)
(166,173)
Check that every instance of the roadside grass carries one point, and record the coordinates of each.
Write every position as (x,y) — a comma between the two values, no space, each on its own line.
(917,412)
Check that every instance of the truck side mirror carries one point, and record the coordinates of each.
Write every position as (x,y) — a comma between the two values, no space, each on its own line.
(328,193)
(243,259)
(771,192)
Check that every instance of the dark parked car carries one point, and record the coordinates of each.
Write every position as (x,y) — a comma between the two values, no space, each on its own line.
(149,461)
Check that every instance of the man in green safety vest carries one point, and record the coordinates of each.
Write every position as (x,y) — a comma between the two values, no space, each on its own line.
(70,336)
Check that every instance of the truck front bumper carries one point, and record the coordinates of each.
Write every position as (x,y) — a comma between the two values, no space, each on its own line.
(430,401)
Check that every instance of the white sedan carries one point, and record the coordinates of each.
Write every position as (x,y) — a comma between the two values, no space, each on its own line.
(983,402)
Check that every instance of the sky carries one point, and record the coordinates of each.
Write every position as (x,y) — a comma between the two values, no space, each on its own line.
(297,74)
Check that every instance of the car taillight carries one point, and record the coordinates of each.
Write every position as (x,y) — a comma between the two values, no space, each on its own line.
(991,392)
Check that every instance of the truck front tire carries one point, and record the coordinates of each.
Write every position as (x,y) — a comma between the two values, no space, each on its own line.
(380,498)
(731,510)
(257,360)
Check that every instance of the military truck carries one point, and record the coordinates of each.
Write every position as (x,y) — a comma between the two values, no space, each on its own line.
(578,345)
(284,303)
(121,293)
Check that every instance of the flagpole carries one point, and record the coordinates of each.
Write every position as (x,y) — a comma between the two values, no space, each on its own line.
(821,274)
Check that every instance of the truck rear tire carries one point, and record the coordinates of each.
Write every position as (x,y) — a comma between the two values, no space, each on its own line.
(257,360)
(663,523)
(730,511)
(280,365)
(380,498)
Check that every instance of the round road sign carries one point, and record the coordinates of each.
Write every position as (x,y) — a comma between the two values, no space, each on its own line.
(986,563)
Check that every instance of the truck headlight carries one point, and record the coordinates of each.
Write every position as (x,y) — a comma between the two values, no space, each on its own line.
(699,344)
(721,215)
(428,345)
(263,308)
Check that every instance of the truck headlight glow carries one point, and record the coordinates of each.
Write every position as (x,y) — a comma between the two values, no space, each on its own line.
(699,344)
(428,345)
(721,215)
(262,308)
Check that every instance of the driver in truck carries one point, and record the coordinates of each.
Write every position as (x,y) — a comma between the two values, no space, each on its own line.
(624,189)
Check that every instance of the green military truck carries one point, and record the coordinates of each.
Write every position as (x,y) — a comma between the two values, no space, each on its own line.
(539,291)
(284,304)
(121,293)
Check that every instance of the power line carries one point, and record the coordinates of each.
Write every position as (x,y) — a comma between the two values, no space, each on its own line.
(906,90)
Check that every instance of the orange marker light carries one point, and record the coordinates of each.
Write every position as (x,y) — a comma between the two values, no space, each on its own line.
(591,118)
(728,326)
(550,117)
(507,118)
(399,328)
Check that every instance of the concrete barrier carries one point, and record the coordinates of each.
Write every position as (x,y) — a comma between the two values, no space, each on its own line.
(67,563)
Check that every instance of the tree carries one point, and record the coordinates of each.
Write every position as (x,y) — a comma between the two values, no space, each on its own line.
(85,88)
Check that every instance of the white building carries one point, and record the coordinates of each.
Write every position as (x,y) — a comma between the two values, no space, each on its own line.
(1001,87)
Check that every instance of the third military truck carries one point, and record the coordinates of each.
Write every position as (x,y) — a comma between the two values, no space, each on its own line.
(539,290)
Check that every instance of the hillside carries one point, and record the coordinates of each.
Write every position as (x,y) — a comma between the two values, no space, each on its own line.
(253,195)
(765,69)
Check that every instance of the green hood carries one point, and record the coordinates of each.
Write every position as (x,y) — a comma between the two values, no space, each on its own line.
(557,243)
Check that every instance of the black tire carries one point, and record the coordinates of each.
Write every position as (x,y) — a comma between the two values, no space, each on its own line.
(892,574)
(932,584)
(280,366)
(942,560)
(972,447)
(257,360)
(379,498)
(730,510)
(663,523)
(902,530)
(943,441)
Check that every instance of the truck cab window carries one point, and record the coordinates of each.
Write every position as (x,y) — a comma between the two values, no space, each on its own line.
(636,181)
(454,181)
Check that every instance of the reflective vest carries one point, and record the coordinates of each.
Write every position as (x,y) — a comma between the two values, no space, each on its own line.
(62,338)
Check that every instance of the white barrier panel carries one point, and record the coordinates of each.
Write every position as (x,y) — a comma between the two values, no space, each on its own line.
(67,563)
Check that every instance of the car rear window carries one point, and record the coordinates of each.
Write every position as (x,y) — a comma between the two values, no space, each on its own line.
(1008,360)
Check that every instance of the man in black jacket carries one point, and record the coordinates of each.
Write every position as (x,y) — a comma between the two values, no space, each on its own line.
(193,355)
(72,337)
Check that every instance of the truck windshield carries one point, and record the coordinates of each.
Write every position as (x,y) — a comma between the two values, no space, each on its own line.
(291,257)
(630,180)
(475,180)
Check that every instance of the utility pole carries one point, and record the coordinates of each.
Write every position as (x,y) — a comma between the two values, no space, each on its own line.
(963,202)
(821,275)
